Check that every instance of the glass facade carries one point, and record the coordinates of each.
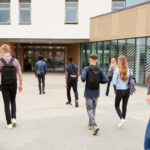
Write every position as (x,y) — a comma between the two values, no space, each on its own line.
(137,51)
(117,5)
(134,2)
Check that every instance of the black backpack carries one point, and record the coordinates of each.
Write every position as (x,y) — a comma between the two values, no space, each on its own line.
(93,78)
(72,73)
(8,74)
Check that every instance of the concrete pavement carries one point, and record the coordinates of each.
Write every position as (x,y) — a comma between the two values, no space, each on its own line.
(46,123)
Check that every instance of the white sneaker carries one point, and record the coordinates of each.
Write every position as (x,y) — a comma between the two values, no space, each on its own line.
(14,123)
(120,125)
(9,126)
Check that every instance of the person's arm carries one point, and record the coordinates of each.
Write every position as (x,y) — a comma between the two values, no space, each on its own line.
(20,80)
(114,80)
(148,93)
(104,78)
(36,67)
(45,68)
(66,76)
(84,74)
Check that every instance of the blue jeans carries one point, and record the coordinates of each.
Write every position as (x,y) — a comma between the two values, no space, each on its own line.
(147,137)
(108,86)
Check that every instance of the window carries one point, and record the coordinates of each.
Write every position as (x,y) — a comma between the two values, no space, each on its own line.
(25,12)
(71,12)
(4,12)
(117,5)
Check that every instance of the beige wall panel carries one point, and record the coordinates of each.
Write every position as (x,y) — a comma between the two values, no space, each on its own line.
(115,25)
(129,23)
(141,22)
(148,20)
(73,50)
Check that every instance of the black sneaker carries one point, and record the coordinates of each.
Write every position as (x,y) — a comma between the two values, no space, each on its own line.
(76,104)
(67,103)
(40,93)
(43,92)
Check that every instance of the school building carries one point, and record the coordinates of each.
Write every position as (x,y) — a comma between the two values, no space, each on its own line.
(57,29)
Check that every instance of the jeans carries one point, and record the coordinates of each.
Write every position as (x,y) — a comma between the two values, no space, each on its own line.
(91,104)
(72,84)
(147,137)
(9,97)
(41,80)
(124,96)
(108,86)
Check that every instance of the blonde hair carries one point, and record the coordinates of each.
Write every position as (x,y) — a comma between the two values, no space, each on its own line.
(123,68)
(114,63)
(6,48)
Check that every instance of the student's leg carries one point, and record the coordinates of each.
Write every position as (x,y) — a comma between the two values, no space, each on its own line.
(39,82)
(124,104)
(90,106)
(108,85)
(13,92)
(147,137)
(68,92)
(6,98)
(75,84)
(95,105)
(117,104)
(43,83)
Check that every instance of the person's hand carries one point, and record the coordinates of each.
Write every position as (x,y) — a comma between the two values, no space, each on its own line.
(66,85)
(148,98)
(20,88)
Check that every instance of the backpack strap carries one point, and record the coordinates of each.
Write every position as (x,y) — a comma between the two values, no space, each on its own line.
(3,61)
(11,61)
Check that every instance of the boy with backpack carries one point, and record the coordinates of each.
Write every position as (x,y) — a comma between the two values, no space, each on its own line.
(9,68)
(93,76)
(40,71)
(71,76)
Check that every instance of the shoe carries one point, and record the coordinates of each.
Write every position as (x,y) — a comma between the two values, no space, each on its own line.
(120,125)
(90,127)
(43,92)
(95,130)
(9,126)
(14,123)
(76,104)
(67,103)
(40,93)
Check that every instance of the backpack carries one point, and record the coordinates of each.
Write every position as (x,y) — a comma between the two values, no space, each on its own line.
(72,73)
(8,74)
(93,78)
(131,83)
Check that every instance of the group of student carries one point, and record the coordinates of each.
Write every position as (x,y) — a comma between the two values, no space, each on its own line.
(120,75)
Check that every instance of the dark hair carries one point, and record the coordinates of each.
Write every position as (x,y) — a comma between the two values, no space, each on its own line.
(40,57)
(70,59)
(93,56)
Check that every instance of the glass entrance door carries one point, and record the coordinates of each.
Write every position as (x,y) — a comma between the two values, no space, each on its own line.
(54,58)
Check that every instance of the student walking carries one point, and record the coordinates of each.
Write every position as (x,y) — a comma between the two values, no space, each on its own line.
(121,81)
(9,68)
(147,134)
(93,76)
(110,73)
(40,71)
(71,76)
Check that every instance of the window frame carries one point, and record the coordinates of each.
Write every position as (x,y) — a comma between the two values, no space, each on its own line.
(118,8)
(6,23)
(20,9)
(71,8)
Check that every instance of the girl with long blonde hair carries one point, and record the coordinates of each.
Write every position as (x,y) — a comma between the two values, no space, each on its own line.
(120,80)
(110,73)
